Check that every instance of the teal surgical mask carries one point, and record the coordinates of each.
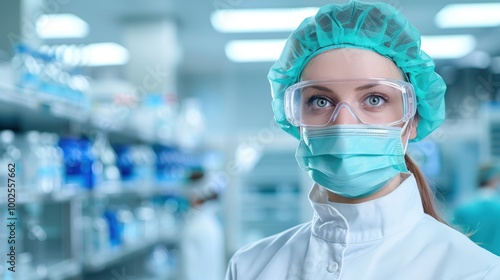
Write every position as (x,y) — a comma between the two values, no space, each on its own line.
(352,161)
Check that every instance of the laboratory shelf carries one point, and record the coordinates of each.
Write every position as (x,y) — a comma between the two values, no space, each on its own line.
(25,197)
(26,103)
(26,110)
(22,110)
(118,189)
(66,269)
(104,260)
(138,188)
(173,277)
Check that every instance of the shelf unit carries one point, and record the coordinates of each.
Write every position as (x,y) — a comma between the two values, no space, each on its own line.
(270,196)
(72,193)
(98,263)
(25,110)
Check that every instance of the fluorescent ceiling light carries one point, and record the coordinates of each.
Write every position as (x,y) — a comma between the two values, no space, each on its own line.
(448,46)
(101,54)
(259,20)
(61,26)
(469,15)
(438,47)
(254,50)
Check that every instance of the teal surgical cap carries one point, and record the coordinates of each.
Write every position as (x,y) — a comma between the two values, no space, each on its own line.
(373,26)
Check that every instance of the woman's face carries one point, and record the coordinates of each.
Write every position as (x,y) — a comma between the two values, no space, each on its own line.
(347,64)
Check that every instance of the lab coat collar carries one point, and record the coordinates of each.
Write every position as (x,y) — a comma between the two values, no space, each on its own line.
(367,221)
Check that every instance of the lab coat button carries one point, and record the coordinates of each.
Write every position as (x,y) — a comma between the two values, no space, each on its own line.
(333,267)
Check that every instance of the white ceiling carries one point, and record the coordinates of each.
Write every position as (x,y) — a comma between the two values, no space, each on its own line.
(203,47)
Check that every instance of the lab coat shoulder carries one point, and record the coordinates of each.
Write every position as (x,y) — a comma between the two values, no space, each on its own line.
(249,261)
(454,252)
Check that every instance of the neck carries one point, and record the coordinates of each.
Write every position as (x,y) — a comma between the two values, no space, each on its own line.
(388,188)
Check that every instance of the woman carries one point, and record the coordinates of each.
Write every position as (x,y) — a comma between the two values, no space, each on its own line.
(354,87)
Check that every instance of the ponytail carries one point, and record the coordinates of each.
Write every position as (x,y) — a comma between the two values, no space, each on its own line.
(426,195)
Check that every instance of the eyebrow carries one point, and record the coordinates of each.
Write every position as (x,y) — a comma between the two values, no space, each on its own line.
(367,86)
(322,88)
(362,87)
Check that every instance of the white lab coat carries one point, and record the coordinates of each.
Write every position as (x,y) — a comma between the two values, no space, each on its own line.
(386,238)
(202,245)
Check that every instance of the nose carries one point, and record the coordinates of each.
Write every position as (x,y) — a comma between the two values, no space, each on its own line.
(343,114)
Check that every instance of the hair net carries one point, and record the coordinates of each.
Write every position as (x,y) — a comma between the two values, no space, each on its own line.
(374,26)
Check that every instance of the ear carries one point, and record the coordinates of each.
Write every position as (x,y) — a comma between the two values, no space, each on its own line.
(413,128)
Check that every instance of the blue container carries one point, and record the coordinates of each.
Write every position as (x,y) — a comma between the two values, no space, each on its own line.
(115,229)
(125,162)
(78,162)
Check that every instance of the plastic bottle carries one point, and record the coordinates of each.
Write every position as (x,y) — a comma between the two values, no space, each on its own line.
(48,84)
(24,267)
(168,226)
(145,116)
(148,221)
(57,161)
(106,156)
(9,154)
(115,230)
(160,263)
(144,160)
(25,67)
(85,227)
(167,120)
(125,162)
(95,232)
(3,247)
(170,165)
(127,223)
(31,159)
(78,162)
(36,67)
(36,242)
(100,234)
(191,124)
(47,181)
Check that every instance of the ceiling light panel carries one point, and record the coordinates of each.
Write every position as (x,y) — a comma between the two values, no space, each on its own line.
(254,50)
(54,26)
(469,15)
(101,54)
(260,20)
(448,46)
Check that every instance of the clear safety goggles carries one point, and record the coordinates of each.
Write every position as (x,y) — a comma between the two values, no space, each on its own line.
(369,101)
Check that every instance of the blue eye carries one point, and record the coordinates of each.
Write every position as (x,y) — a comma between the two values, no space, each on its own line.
(321,102)
(318,102)
(375,100)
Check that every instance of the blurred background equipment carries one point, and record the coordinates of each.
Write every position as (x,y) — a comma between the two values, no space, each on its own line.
(202,237)
(113,111)
(479,216)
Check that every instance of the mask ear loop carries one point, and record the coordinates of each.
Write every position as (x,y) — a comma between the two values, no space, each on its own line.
(408,124)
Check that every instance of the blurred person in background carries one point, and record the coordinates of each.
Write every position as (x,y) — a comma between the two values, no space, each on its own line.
(354,87)
(479,217)
(202,238)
